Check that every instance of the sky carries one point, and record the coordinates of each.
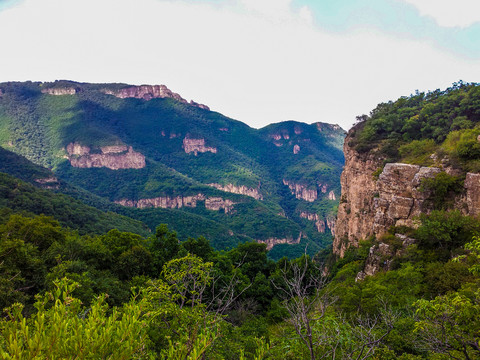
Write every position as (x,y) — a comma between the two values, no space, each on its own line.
(257,61)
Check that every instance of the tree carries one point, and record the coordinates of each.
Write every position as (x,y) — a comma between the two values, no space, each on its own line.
(63,329)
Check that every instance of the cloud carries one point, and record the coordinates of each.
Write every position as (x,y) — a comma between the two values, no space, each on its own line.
(253,61)
(458,13)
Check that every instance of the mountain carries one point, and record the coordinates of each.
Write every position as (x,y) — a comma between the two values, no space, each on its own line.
(166,160)
(409,158)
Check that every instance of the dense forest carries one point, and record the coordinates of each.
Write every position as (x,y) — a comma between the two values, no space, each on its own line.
(123,296)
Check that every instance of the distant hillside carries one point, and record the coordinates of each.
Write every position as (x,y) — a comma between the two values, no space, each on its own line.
(146,147)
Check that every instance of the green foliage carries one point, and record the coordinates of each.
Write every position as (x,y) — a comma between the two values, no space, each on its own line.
(24,198)
(62,329)
(39,126)
(418,152)
(424,124)
(445,231)
(442,188)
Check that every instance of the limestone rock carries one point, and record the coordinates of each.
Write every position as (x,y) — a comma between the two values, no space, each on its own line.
(296,149)
(114,157)
(148,92)
(379,258)
(301,191)
(331,195)
(370,207)
(271,242)
(241,189)
(319,222)
(60,91)
(197,146)
(177,202)
(48,183)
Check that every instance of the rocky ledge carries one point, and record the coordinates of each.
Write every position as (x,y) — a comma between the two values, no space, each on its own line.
(148,92)
(271,242)
(48,183)
(60,91)
(301,191)
(177,202)
(114,157)
(197,146)
(370,206)
(242,190)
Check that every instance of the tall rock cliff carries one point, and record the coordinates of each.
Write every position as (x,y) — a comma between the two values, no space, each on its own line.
(356,210)
(374,198)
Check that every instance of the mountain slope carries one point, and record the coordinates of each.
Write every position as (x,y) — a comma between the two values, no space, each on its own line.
(146,147)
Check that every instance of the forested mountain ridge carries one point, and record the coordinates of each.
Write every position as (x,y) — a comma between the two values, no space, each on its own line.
(146,147)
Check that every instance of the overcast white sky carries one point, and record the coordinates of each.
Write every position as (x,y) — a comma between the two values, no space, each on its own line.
(258,61)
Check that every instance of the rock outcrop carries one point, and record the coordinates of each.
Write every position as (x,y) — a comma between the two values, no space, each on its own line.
(242,190)
(177,202)
(148,92)
(296,149)
(301,191)
(48,183)
(331,195)
(319,222)
(60,91)
(271,242)
(114,157)
(370,206)
(197,146)
(379,257)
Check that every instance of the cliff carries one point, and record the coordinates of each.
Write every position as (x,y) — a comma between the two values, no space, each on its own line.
(148,92)
(114,157)
(60,91)
(177,202)
(197,146)
(241,189)
(271,242)
(369,206)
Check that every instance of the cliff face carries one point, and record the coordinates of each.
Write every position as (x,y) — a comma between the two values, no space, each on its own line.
(301,191)
(197,146)
(370,206)
(355,211)
(148,92)
(241,189)
(60,91)
(114,157)
(271,242)
(177,202)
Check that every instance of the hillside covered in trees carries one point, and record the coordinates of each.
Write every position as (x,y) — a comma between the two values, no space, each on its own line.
(411,292)
(163,159)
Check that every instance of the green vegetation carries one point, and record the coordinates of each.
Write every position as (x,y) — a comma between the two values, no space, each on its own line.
(413,128)
(40,126)
(189,301)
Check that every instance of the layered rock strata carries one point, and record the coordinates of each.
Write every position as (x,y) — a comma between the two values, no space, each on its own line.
(271,242)
(60,91)
(48,183)
(370,206)
(114,157)
(148,92)
(301,191)
(177,202)
(197,146)
(242,190)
